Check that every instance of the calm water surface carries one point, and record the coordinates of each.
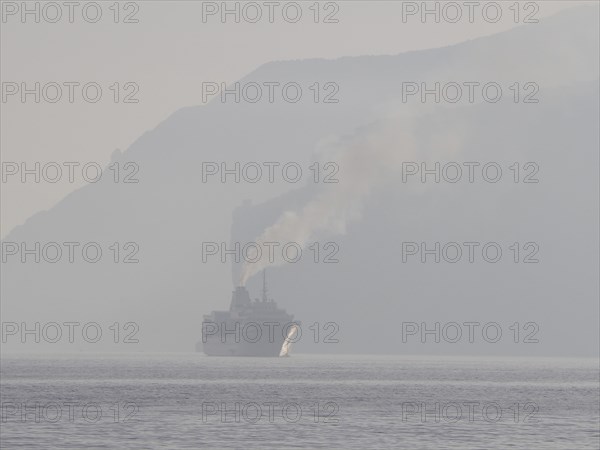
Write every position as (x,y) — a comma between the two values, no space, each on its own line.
(189,401)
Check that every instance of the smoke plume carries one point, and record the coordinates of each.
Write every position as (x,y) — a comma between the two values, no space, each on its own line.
(366,161)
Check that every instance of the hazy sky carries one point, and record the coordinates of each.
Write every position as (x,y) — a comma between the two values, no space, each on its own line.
(168,54)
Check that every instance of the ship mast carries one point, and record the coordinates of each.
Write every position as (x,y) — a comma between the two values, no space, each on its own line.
(264,290)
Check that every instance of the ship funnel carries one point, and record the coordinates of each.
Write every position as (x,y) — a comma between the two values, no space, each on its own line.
(240,297)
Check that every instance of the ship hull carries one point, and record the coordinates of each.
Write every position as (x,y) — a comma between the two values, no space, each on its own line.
(260,349)
(215,346)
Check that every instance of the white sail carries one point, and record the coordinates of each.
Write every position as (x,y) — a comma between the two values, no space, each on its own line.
(287,343)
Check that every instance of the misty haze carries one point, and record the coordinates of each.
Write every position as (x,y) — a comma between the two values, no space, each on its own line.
(308,224)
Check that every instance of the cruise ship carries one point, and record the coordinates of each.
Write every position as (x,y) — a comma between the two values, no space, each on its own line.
(249,328)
